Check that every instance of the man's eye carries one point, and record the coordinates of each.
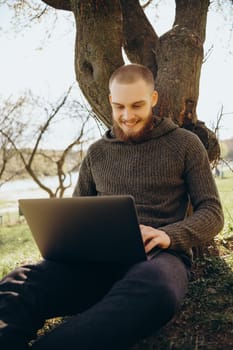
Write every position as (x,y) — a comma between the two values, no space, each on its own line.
(137,106)
(119,107)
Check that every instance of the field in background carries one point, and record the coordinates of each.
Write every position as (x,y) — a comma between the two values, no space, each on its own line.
(225,187)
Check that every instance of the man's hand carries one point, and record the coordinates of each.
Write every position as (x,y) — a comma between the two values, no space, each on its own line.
(153,237)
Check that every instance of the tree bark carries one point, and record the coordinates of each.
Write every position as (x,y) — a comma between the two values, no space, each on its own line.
(139,37)
(179,56)
(59,4)
(97,50)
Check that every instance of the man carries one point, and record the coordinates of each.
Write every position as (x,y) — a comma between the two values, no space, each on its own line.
(112,306)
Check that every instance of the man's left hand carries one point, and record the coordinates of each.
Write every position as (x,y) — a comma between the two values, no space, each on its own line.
(153,237)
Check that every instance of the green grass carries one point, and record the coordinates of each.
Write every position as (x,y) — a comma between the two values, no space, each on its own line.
(225,187)
(16,247)
(206,318)
(225,238)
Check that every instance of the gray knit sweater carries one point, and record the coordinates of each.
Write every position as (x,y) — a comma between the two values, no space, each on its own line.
(161,173)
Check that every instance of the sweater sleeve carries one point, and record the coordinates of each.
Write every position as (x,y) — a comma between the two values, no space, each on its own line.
(85,185)
(207,218)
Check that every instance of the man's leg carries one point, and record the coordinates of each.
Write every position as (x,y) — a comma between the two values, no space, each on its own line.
(141,302)
(33,293)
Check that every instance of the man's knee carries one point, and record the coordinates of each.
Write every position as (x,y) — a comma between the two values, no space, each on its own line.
(162,287)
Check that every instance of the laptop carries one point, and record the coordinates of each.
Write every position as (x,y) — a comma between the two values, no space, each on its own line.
(100,228)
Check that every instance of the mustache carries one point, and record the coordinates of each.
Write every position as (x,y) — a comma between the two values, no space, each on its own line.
(142,135)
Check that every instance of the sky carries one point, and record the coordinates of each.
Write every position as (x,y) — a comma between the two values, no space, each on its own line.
(32,59)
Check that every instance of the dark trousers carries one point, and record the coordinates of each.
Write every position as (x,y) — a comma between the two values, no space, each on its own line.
(111,306)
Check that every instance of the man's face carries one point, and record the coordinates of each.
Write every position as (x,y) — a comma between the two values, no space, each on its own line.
(132,108)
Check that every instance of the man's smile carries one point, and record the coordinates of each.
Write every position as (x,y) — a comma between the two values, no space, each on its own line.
(130,123)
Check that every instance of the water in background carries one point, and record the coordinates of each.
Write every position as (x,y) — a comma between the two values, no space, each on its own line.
(11,191)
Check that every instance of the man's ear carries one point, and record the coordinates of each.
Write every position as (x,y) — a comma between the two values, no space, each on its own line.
(154,98)
(110,98)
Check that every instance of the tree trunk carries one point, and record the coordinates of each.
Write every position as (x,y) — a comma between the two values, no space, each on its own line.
(98,50)
(179,56)
(139,37)
(105,26)
(59,4)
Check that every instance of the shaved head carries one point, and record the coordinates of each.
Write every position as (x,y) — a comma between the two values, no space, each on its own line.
(130,73)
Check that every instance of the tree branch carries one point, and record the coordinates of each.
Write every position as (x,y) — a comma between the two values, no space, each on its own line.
(139,37)
(11,141)
(184,19)
(59,4)
(60,163)
(45,126)
(147,4)
(4,161)
(180,54)
(98,50)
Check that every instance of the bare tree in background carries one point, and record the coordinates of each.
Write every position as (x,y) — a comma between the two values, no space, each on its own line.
(14,131)
(33,135)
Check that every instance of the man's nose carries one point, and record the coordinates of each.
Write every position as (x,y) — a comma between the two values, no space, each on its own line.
(128,114)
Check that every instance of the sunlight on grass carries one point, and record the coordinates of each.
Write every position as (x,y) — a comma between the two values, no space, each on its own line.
(225,187)
(16,247)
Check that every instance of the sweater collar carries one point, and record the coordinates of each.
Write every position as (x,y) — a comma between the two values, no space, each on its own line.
(162,126)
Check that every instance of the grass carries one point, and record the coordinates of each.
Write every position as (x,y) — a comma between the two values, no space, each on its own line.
(16,247)
(225,186)
(206,317)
